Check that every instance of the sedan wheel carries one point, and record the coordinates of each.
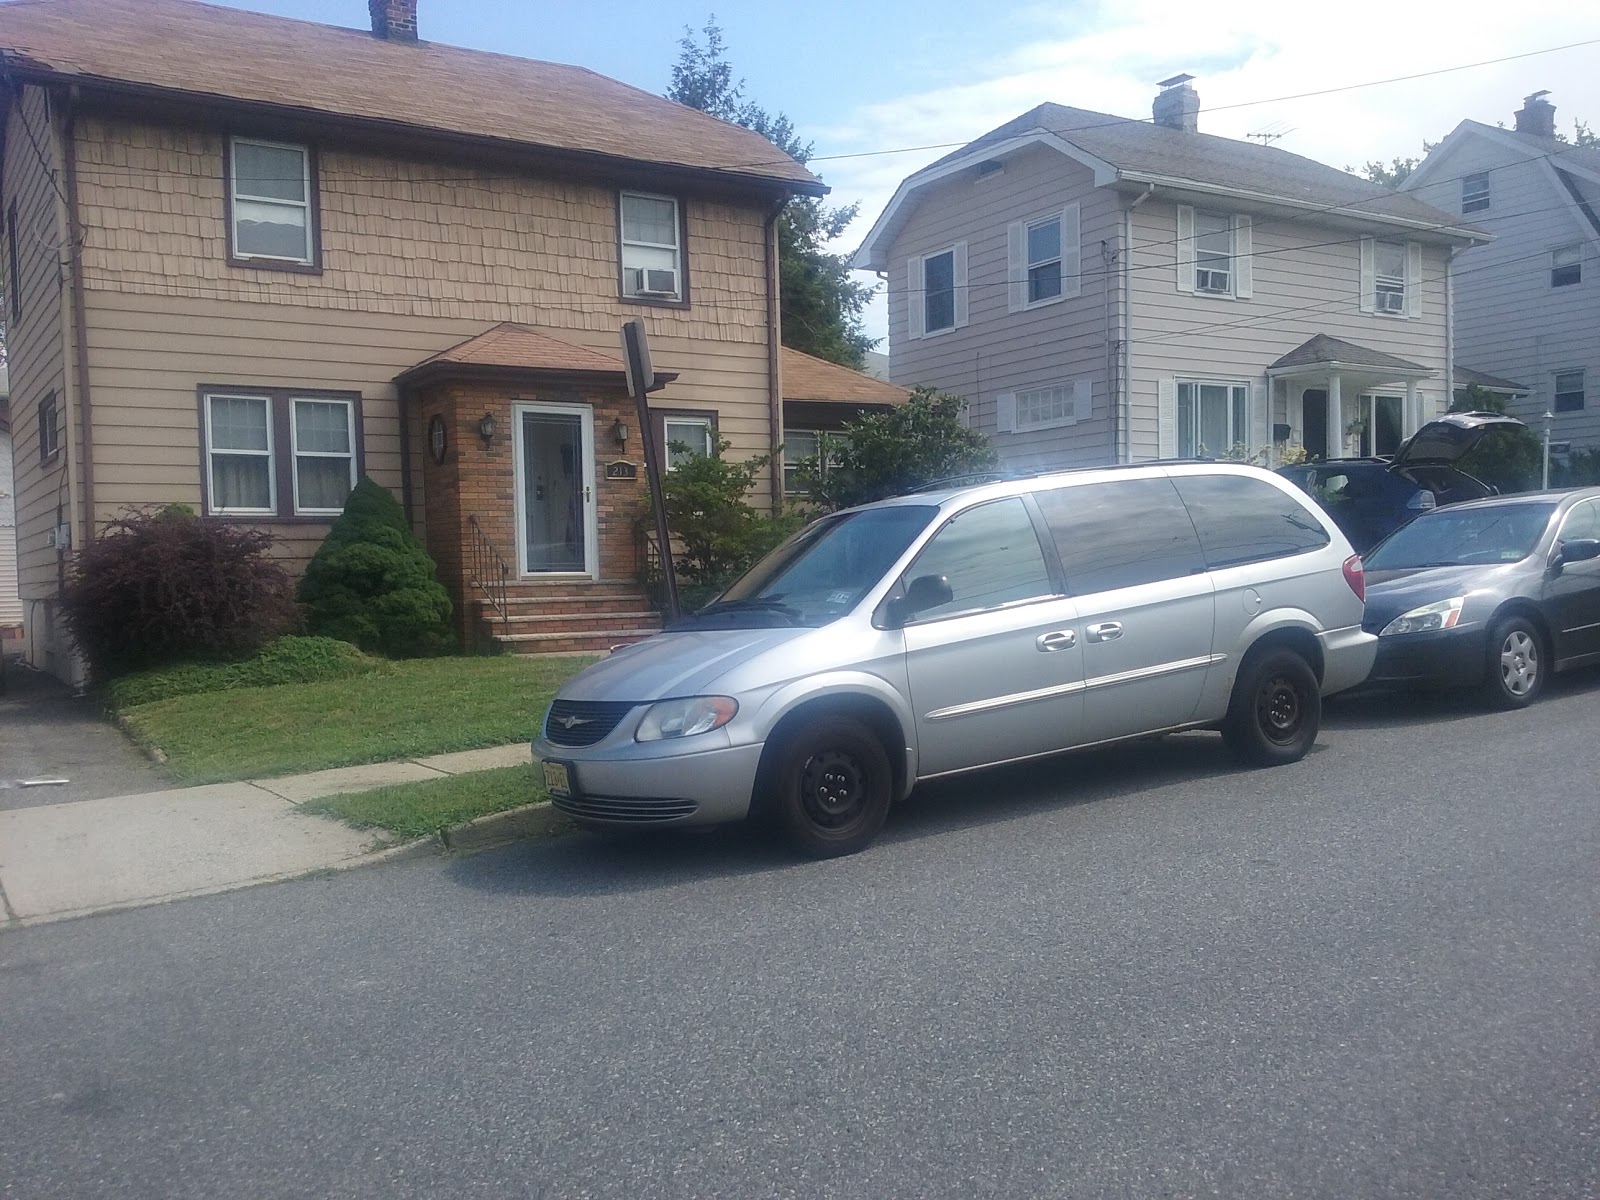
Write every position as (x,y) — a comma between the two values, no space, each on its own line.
(1516,664)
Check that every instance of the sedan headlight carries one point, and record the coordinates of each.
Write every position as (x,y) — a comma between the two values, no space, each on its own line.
(685,718)
(1442,615)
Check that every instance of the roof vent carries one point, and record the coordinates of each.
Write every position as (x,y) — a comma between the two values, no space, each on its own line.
(1537,116)
(394,20)
(1177,105)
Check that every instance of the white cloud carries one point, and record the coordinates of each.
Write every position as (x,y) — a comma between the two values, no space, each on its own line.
(1108,54)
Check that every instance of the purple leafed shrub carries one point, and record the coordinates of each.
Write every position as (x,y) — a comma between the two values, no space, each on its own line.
(161,587)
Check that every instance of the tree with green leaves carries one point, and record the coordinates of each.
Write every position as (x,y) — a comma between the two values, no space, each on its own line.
(886,454)
(1510,459)
(820,303)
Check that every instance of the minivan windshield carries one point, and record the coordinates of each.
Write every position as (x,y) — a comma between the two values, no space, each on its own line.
(1455,537)
(820,573)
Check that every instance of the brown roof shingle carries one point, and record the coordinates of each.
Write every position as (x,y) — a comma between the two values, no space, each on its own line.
(806,377)
(1325,349)
(204,50)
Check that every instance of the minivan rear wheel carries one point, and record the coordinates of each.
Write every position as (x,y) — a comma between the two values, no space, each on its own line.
(1276,709)
(832,784)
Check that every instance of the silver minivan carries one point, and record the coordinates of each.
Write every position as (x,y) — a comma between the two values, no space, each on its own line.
(947,631)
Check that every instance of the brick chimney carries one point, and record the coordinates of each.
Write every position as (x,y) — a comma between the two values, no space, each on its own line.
(1177,105)
(1537,116)
(395,20)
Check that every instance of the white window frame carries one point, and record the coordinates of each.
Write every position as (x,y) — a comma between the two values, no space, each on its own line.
(624,241)
(1395,284)
(1564,258)
(296,453)
(49,446)
(704,424)
(1052,406)
(270,454)
(955,290)
(1239,393)
(1475,195)
(1241,250)
(1204,289)
(235,196)
(1557,391)
(1031,264)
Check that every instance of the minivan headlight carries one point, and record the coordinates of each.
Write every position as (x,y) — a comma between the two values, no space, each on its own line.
(1442,615)
(685,718)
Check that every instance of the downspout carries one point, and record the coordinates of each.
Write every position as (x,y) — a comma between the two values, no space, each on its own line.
(774,341)
(1125,398)
(80,320)
(401,395)
(1449,337)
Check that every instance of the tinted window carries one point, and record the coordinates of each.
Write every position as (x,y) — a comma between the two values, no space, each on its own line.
(989,554)
(1454,537)
(1242,520)
(1335,483)
(1116,535)
(1583,521)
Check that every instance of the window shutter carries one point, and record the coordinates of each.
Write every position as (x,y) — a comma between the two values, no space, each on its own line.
(1260,436)
(1413,279)
(915,297)
(1005,412)
(960,258)
(1016,266)
(1243,267)
(1185,245)
(1167,418)
(1369,276)
(1071,252)
(1082,400)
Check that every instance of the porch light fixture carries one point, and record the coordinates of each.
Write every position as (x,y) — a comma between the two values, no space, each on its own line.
(486,428)
(619,431)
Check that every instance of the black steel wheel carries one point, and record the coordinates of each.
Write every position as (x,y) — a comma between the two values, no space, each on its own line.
(1276,709)
(833,786)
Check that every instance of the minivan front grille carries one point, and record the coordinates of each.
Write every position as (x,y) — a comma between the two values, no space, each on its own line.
(581,722)
(618,810)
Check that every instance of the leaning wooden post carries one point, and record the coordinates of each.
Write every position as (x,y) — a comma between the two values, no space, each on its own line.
(641,378)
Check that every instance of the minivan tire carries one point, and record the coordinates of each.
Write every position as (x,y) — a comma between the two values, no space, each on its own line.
(1276,709)
(1517,664)
(832,787)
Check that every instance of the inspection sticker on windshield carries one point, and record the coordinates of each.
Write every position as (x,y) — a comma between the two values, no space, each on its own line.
(838,597)
(555,779)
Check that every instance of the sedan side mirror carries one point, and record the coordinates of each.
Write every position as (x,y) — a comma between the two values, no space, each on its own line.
(1577,550)
(922,593)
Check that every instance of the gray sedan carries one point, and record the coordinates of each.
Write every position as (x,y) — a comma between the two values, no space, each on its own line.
(1495,594)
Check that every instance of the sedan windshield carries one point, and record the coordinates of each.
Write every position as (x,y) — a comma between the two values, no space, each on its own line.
(1456,537)
(820,573)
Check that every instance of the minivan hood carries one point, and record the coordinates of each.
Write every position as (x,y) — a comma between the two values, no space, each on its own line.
(673,664)
(1446,439)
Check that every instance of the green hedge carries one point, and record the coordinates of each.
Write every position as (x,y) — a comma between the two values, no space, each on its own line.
(287,660)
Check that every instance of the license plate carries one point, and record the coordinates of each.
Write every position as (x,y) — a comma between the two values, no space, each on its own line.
(556,781)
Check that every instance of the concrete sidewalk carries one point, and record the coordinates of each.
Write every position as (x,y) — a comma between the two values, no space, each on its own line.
(65,860)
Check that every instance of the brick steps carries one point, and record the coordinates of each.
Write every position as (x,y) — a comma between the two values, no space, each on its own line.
(590,642)
(568,617)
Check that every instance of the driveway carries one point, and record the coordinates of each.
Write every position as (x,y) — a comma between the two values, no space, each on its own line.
(48,733)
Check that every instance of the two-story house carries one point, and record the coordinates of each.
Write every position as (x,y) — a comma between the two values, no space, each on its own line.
(250,259)
(1527,304)
(1105,289)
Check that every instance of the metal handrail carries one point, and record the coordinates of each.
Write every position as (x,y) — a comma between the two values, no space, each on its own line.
(489,570)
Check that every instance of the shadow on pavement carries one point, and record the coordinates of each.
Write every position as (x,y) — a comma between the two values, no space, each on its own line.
(1397,708)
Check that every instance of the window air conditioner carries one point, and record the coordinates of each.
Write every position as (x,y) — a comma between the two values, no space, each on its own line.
(1209,280)
(652,282)
(1391,302)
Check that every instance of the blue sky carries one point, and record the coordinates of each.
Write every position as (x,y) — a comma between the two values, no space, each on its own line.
(865,77)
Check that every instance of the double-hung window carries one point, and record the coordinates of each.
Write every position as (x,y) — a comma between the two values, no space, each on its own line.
(270,199)
(652,247)
(1044,260)
(13,268)
(279,454)
(49,428)
(1389,275)
(1566,266)
(939,291)
(1475,192)
(1569,391)
(1212,418)
(799,445)
(1213,253)
(687,437)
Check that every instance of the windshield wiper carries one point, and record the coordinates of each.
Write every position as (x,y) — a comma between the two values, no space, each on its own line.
(773,605)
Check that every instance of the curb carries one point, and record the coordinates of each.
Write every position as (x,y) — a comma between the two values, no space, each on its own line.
(497,829)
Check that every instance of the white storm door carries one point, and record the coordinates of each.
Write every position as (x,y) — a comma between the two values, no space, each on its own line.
(557,525)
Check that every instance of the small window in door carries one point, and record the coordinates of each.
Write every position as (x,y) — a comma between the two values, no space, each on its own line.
(990,555)
(1122,534)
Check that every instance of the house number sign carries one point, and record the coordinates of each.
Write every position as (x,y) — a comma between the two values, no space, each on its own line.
(622,470)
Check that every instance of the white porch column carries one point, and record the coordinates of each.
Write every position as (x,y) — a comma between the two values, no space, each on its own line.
(1413,417)
(1336,446)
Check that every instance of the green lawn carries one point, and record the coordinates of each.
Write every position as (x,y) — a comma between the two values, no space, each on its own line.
(423,706)
(416,809)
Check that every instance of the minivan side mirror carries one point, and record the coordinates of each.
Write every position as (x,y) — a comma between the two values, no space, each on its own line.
(922,593)
(1577,550)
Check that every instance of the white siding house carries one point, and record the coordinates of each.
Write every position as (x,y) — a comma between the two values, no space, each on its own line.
(10,604)
(1102,289)
(1527,304)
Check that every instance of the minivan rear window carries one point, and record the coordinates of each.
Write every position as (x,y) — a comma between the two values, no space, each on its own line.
(1120,534)
(1245,520)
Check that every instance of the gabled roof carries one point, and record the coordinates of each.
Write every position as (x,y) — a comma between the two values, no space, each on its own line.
(1121,150)
(1581,160)
(208,53)
(1323,350)
(806,377)
(510,348)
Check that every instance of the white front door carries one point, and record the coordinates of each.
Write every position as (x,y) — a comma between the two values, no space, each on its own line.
(556,510)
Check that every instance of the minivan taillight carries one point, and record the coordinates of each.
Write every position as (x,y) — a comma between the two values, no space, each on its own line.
(1356,576)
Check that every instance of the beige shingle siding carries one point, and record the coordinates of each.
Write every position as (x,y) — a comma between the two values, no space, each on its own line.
(36,343)
(1000,351)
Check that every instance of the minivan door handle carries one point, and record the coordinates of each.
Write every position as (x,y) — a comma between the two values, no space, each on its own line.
(1061,639)
(1106,631)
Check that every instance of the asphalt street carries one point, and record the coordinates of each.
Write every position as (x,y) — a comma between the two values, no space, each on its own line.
(1137,973)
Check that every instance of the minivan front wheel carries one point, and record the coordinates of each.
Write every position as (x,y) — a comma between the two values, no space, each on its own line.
(833,784)
(1276,709)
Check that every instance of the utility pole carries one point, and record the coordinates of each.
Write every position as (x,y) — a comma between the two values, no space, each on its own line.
(641,378)
(1548,417)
